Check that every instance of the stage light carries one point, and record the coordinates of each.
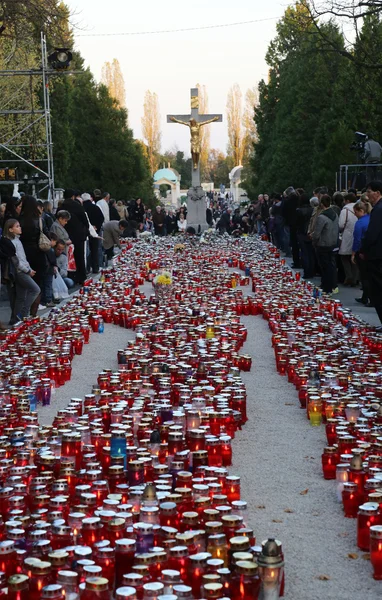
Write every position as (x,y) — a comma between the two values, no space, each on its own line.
(60,59)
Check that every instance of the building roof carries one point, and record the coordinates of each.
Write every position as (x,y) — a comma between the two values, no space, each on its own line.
(168,174)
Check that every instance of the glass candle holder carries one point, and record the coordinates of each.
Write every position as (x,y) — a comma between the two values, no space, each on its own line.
(376,550)
(315,411)
(124,558)
(329,462)
(351,499)
(368,515)
(18,587)
(245,583)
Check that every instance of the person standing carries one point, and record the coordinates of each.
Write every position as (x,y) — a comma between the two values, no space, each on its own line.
(78,230)
(346,223)
(362,212)
(159,219)
(32,225)
(324,239)
(371,247)
(122,210)
(26,290)
(303,216)
(137,211)
(372,156)
(290,205)
(96,218)
(103,204)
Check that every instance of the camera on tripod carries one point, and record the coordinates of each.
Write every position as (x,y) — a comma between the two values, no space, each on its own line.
(359,143)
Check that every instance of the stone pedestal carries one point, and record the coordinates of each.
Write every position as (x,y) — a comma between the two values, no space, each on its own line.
(196,209)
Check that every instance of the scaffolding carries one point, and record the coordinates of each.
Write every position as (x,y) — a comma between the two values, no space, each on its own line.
(42,177)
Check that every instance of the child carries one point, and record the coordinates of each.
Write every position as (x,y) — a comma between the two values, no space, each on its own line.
(26,290)
(47,280)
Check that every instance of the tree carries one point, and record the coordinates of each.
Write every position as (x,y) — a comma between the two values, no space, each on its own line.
(25,17)
(93,146)
(151,128)
(113,79)
(219,166)
(248,124)
(353,12)
(205,132)
(301,128)
(234,120)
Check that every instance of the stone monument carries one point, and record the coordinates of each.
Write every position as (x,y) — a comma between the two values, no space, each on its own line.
(196,205)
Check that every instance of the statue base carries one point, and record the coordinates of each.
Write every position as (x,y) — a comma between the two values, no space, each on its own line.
(196,209)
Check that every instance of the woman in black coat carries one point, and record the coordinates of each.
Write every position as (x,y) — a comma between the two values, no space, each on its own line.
(78,230)
(137,211)
(303,216)
(31,225)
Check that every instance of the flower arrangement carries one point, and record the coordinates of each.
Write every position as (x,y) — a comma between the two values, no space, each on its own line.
(178,247)
(163,278)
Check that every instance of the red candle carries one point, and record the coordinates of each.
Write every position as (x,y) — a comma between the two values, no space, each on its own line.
(18,587)
(351,499)
(329,462)
(368,515)
(376,550)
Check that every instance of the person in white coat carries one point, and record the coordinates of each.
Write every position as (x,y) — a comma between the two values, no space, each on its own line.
(104,206)
(347,222)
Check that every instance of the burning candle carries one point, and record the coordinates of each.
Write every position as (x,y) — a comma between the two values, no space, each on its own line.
(376,550)
(368,515)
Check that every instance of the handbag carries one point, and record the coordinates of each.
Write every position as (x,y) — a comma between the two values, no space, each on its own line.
(92,231)
(43,241)
(71,261)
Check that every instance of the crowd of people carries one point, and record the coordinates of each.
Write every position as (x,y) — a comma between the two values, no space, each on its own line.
(43,253)
(337,236)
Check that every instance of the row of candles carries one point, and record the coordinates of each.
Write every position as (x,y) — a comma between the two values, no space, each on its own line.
(334,360)
(128,494)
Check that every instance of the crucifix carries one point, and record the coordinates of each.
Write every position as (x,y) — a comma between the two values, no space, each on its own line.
(195,121)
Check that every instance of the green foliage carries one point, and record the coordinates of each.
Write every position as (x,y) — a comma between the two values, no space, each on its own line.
(93,145)
(219,166)
(179,163)
(313,101)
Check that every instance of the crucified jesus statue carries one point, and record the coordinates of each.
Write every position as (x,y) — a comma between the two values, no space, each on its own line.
(195,135)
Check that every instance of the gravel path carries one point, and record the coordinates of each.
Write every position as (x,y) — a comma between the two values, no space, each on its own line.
(99,354)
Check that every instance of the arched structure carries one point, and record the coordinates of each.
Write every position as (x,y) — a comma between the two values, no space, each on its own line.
(172,178)
(235,181)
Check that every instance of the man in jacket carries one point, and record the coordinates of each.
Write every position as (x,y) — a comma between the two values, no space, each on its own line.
(159,220)
(371,246)
(325,240)
(289,212)
(112,231)
(96,218)
(78,230)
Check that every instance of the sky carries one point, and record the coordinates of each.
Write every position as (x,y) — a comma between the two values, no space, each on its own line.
(172,63)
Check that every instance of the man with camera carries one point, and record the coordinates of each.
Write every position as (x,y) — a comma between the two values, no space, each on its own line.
(372,156)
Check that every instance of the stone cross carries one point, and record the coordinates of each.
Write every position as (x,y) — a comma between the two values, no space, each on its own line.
(199,120)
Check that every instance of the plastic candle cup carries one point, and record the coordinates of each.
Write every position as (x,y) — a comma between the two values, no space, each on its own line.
(368,515)
(18,587)
(315,411)
(376,550)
